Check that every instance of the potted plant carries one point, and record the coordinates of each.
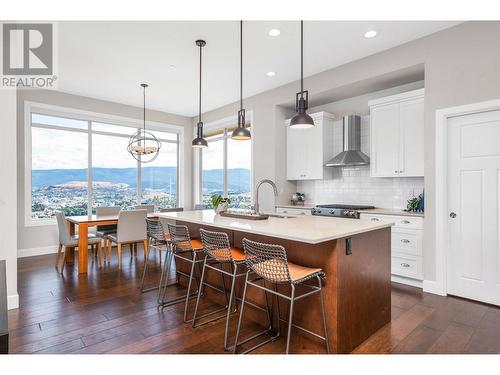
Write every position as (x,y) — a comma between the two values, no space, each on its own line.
(220,203)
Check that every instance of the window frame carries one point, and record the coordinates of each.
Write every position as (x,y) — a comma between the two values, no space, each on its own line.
(223,124)
(88,116)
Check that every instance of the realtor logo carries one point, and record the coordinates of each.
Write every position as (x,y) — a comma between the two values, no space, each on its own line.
(28,55)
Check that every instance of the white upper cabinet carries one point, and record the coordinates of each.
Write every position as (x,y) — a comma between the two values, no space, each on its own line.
(397,135)
(307,150)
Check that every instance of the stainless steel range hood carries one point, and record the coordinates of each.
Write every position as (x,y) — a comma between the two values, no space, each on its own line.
(352,154)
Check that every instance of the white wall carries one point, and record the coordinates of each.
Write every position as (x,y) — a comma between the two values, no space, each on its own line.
(461,66)
(35,240)
(8,200)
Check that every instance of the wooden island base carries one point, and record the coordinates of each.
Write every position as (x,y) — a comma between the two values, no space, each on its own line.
(357,289)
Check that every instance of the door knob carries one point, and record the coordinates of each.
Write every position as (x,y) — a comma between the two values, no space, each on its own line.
(453,215)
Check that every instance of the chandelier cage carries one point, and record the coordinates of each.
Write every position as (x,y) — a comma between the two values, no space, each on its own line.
(143,145)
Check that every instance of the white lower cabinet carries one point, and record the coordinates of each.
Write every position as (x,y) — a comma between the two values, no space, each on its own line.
(406,246)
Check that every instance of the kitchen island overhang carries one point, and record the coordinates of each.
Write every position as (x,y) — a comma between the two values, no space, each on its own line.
(355,255)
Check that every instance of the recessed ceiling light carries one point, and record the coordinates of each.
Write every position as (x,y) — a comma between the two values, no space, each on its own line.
(274,32)
(270,74)
(370,34)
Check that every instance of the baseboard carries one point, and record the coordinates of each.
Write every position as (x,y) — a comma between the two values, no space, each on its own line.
(406,281)
(433,287)
(13,301)
(34,251)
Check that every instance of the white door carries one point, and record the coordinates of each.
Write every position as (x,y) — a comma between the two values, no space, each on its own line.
(411,120)
(385,141)
(474,206)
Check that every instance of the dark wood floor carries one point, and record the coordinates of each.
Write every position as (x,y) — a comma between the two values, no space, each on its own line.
(103,312)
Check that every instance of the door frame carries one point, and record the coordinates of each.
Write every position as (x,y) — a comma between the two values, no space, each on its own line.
(441,186)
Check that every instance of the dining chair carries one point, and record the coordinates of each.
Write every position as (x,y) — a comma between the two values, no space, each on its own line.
(103,230)
(131,230)
(150,208)
(67,240)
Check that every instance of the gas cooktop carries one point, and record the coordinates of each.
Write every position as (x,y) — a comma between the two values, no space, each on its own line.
(350,211)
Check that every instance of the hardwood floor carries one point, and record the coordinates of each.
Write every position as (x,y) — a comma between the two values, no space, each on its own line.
(103,312)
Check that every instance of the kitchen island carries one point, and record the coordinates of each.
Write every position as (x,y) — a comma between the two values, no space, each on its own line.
(355,255)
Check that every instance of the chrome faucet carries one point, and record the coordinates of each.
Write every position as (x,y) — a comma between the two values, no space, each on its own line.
(265,181)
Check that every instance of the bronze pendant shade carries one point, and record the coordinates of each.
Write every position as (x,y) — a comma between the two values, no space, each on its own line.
(241,133)
(199,141)
(301,120)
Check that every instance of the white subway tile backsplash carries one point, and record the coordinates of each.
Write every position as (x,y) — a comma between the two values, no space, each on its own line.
(354,185)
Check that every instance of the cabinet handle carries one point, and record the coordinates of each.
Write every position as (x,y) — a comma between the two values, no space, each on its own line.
(400,171)
(405,265)
(405,222)
(375,219)
(396,172)
(404,240)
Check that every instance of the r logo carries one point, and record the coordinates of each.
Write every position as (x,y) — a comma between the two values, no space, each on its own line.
(27,49)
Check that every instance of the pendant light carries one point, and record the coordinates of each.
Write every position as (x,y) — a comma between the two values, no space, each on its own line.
(241,133)
(301,120)
(143,145)
(199,141)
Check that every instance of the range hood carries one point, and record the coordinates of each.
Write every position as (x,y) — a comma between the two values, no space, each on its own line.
(352,154)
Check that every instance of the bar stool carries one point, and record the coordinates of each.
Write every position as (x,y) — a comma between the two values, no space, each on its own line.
(181,245)
(269,262)
(157,240)
(218,252)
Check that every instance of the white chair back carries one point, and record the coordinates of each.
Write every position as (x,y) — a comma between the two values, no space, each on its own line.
(131,226)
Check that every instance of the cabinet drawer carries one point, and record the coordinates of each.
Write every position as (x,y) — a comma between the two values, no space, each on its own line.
(407,241)
(407,266)
(293,211)
(407,222)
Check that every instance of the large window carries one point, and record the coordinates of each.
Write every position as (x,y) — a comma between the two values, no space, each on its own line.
(65,149)
(226,169)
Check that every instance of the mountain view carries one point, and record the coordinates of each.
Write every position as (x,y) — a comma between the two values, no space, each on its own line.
(66,189)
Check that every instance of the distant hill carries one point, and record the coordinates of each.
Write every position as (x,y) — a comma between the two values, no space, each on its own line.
(152,177)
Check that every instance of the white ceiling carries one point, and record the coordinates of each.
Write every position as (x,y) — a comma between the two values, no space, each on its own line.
(108,60)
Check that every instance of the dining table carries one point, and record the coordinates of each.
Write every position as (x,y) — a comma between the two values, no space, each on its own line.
(84,222)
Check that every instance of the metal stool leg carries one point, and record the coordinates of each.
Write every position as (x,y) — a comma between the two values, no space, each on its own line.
(146,267)
(189,288)
(290,317)
(323,315)
(241,314)
(199,291)
(230,305)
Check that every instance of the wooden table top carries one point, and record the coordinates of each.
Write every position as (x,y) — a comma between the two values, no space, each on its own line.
(92,219)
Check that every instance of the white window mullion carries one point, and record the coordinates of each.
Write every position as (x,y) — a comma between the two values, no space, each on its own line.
(224,158)
(90,176)
(139,182)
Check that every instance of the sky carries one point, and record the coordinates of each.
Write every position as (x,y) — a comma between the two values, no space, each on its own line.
(63,149)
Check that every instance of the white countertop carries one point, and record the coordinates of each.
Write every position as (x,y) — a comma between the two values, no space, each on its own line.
(304,228)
